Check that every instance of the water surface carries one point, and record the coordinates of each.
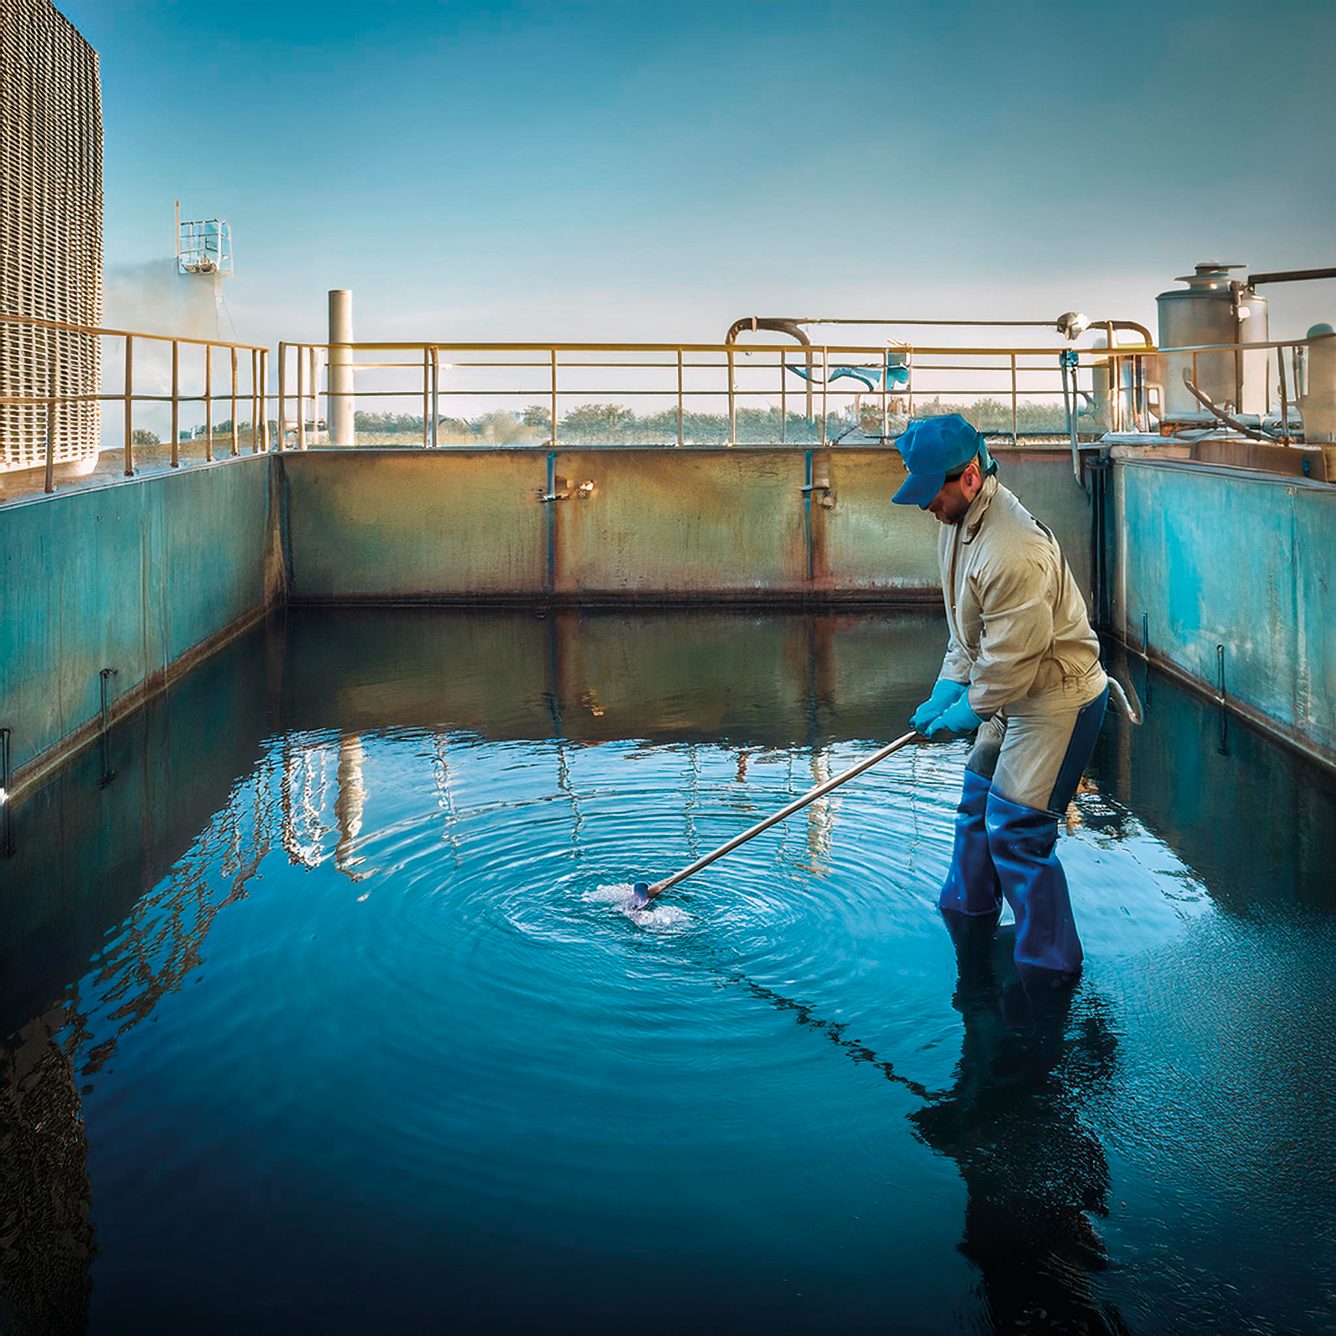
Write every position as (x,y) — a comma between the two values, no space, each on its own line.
(324,1011)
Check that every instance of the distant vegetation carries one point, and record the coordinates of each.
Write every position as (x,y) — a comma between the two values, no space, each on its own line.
(614,424)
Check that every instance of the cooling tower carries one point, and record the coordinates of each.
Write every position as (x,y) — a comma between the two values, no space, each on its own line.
(50,230)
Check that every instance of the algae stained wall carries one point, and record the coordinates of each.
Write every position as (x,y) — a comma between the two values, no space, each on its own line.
(133,577)
(1216,557)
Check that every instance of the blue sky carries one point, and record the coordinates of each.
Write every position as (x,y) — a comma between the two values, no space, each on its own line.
(654,170)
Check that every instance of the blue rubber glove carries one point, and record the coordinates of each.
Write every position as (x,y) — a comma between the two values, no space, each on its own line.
(944,693)
(956,718)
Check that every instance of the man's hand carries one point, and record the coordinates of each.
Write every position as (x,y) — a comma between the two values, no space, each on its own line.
(945,693)
(956,718)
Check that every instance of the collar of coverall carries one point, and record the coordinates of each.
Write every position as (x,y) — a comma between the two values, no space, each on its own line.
(978,508)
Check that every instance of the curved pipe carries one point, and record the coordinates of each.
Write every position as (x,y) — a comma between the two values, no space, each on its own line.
(1205,401)
(782,326)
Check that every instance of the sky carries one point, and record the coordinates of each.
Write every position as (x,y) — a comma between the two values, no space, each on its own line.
(633,170)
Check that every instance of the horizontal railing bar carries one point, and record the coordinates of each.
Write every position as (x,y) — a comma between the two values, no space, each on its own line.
(98,331)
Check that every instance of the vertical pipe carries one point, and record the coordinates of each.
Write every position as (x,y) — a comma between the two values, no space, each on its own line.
(129,406)
(282,392)
(426,393)
(732,402)
(885,391)
(680,416)
(264,398)
(176,403)
(301,397)
(1284,397)
(235,451)
(553,407)
(208,403)
(825,385)
(49,483)
(255,400)
(1220,670)
(1015,435)
(783,398)
(435,398)
(342,405)
(1145,635)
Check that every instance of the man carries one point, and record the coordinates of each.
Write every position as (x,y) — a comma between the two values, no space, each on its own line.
(1022,668)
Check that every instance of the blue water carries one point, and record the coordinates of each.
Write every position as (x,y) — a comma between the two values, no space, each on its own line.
(327,1013)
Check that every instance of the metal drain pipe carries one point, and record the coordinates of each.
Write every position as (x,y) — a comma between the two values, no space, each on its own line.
(783,325)
(342,405)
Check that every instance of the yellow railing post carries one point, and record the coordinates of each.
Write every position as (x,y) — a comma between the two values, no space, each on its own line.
(301,397)
(732,402)
(553,441)
(680,407)
(129,406)
(176,405)
(235,451)
(49,482)
(208,403)
(1015,436)
(426,395)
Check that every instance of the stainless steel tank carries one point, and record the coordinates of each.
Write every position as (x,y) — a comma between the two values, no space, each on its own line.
(1318,402)
(1213,309)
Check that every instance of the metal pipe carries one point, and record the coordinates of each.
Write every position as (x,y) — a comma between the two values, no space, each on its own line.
(301,397)
(1015,435)
(681,435)
(435,399)
(235,451)
(1284,397)
(208,404)
(282,394)
(129,407)
(553,439)
(264,397)
(176,404)
(49,481)
(732,403)
(1224,417)
(426,392)
(342,405)
(645,893)
(1290,276)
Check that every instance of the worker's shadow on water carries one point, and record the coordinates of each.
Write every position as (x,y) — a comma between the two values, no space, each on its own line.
(1032,1057)
(1035,1174)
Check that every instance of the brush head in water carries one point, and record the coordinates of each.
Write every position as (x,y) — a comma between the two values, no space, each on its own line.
(640,895)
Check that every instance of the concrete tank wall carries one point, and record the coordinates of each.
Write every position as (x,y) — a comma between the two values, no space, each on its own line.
(749,524)
(1214,556)
(142,576)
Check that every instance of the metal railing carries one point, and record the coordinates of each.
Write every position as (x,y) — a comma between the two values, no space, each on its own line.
(689,393)
(1223,384)
(183,371)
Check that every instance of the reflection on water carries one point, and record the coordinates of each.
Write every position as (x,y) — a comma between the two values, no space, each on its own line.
(335,922)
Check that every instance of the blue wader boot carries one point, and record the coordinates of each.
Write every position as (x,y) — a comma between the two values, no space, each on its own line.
(1022,842)
(971,886)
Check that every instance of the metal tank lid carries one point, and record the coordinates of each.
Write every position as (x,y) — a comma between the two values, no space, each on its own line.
(1210,274)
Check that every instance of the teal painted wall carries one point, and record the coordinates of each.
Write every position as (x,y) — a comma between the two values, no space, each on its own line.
(1219,557)
(131,577)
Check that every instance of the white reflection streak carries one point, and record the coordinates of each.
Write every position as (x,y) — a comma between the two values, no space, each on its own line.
(349,803)
(820,817)
(303,830)
(445,798)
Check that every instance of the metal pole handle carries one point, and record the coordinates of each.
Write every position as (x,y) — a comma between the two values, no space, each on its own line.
(811,796)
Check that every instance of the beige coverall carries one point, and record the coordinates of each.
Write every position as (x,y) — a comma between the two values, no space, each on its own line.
(1020,637)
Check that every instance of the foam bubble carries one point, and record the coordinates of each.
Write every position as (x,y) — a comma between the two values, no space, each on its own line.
(622,895)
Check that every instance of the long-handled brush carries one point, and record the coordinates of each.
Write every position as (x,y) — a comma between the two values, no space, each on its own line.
(643,892)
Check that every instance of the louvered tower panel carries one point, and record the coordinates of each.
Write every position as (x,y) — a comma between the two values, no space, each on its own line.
(50,228)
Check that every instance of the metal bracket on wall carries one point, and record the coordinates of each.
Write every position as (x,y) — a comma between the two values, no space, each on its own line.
(104,685)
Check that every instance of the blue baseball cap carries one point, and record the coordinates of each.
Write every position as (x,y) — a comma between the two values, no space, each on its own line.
(933,447)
